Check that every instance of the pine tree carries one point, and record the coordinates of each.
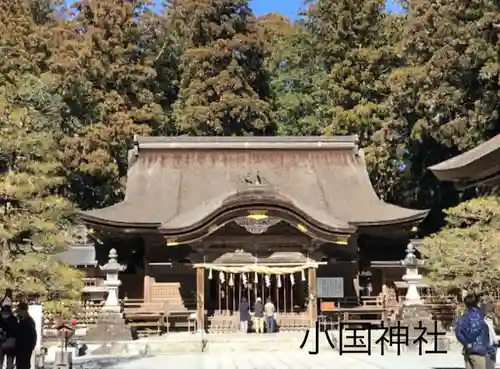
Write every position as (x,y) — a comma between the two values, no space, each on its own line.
(35,218)
(223,85)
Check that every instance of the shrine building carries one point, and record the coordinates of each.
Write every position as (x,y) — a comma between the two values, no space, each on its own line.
(208,220)
(478,166)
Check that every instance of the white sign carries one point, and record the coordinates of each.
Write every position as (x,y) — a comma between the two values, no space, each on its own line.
(330,287)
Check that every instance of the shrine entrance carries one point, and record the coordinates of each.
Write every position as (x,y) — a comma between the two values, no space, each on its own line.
(288,279)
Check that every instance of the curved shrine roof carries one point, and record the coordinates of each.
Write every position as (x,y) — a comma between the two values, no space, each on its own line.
(479,165)
(179,184)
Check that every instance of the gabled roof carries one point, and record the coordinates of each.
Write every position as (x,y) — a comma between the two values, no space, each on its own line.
(479,165)
(182,184)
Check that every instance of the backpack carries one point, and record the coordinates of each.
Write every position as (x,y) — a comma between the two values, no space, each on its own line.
(470,332)
(462,331)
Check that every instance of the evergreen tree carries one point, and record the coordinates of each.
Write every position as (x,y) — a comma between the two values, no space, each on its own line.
(350,37)
(223,87)
(106,63)
(35,220)
(295,73)
(442,101)
(25,26)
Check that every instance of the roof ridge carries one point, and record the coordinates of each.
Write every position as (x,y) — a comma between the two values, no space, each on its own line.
(247,142)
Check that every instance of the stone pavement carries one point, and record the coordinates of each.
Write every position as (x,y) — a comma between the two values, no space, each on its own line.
(279,360)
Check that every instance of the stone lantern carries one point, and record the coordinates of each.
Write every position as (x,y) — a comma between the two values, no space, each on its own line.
(412,276)
(110,325)
(415,316)
(112,282)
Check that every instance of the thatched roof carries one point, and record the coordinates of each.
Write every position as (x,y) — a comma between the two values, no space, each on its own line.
(180,184)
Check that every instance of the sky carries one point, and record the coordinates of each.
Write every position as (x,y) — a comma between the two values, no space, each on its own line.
(291,7)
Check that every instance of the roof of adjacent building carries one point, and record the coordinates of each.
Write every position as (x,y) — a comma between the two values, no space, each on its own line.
(177,184)
(479,165)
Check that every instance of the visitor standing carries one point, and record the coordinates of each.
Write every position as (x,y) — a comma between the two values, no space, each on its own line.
(269,311)
(8,334)
(259,315)
(26,337)
(472,332)
(244,315)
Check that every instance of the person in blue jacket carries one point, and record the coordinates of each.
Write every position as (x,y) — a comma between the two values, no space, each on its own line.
(473,333)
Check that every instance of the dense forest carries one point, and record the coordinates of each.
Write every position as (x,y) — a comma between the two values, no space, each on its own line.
(78,81)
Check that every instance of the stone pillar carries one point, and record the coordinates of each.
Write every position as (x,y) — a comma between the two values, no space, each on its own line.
(200,297)
(313,297)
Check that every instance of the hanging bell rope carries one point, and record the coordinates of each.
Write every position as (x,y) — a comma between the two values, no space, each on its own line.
(231,280)
(268,281)
(292,279)
(221,277)
(303,276)
(256,278)
(244,279)
(259,269)
(210,273)
(278,280)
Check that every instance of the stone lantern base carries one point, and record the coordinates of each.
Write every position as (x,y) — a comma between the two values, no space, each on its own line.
(109,327)
(419,321)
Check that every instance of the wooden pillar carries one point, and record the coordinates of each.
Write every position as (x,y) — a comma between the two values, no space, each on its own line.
(200,297)
(147,277)
(148,281)
(313,302)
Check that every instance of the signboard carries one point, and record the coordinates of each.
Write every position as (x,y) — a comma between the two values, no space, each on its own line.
(327,306)
(330,287)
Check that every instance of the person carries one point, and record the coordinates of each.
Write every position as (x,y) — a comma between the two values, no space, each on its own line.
(472,333)
(26,337)
(8,332)
(259,315)
(7,298)
(244,315)
(269,311)
(491,358)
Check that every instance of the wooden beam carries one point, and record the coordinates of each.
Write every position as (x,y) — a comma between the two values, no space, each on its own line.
(256,240)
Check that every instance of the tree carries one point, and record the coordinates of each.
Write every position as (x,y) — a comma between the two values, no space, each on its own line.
(35,220)
(350,37)
(106,63)
(224,88)
(464,254)
(441,102)
(295,73)
(25,26)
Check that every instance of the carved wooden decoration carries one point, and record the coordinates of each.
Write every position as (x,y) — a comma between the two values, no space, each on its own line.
(257,226)
(255,180)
